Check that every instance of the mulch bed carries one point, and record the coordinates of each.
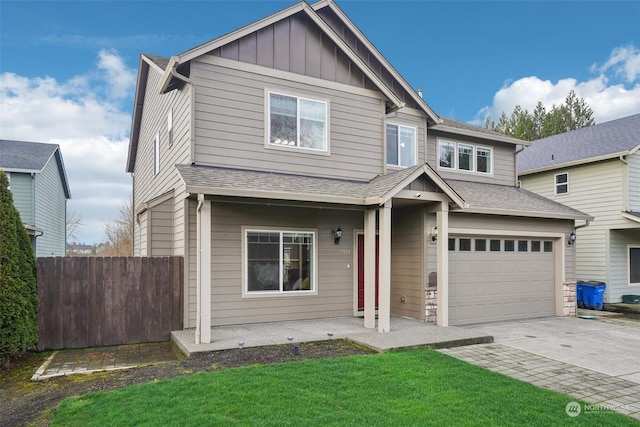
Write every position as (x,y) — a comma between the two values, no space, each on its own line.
(24,401)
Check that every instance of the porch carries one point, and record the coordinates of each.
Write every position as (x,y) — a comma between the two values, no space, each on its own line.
(404,333)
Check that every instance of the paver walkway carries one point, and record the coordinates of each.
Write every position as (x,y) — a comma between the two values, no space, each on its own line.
(95,359)
(604,392)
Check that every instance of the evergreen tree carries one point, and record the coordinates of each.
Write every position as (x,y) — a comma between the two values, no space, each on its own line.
(18,292)
(573,114)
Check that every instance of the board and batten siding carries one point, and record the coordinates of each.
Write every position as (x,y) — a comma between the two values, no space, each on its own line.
(334,270)
(230,126)
(22,188)
(154,121)
(407,260)
(50,211)
(504,163)
(598,190)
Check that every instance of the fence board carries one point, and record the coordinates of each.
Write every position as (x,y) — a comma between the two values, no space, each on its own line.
(92,301)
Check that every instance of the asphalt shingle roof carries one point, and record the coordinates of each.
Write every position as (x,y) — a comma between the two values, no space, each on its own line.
(160,61)
(616,136)
(510,199)
(25,156)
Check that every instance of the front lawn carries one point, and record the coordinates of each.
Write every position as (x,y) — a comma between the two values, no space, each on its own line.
(402,388)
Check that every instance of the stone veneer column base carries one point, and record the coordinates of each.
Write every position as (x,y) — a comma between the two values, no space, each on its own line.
(569,299)
(431,305)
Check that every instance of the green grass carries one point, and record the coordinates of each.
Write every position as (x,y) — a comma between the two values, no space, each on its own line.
(402,388)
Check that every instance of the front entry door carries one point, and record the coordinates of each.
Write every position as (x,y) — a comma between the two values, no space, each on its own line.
(361,271)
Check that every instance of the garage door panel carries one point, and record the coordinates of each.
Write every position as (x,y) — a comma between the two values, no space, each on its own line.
(489,286)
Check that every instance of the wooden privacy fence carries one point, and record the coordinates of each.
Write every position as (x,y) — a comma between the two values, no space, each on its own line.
(94,301)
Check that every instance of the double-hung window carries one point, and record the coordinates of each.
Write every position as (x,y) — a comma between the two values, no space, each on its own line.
(465,157)
(297,122)
(447,154)
(561,183)
(279,262)
(401,145)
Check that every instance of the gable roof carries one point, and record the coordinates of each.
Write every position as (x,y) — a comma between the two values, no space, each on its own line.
(245,183)
(589,144)
(460,128)
(31,157)
(508,200)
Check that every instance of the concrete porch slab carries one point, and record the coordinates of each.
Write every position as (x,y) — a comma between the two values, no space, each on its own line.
(405,333)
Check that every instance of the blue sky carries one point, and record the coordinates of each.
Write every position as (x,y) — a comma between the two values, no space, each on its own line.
(67,68)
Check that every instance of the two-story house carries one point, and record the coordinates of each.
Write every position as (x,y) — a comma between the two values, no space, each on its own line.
(301,177)
(40,188)
(596,170)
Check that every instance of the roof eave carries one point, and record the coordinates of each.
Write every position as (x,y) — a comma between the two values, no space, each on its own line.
(529,214)
(468,132)
(345,19)
(141,87)
(574,163)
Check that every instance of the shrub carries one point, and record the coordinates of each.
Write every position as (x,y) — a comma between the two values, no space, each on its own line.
(18,292)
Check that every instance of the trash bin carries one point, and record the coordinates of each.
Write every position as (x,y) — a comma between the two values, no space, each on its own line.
(631,299)
(590,294)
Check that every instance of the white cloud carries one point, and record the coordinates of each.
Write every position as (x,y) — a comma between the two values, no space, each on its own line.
(85,117)
(608,100)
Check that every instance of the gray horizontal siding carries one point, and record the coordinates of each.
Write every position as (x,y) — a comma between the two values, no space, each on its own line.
(633,181)
(162,229)
(50,211)
(23,196)
(236,138)
(618,280)
(504,164)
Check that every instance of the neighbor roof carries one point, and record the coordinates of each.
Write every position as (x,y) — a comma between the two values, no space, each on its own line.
(31,157)
(607,140)
(513,201)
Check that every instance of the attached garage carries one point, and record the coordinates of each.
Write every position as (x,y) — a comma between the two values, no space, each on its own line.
(496,278)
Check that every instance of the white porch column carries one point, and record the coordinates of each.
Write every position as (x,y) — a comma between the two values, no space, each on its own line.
(384,269)
(442,217)
(203,321)
(370,268)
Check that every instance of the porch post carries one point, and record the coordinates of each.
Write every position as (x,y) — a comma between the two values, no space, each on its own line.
(384,269)
(370,268)
(203,321)
(442,217)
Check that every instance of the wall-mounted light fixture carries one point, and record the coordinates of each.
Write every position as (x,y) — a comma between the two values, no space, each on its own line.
(434,233)
(572,238)
(337,235)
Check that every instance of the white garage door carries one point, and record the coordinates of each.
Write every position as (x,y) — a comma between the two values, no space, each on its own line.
(494,278)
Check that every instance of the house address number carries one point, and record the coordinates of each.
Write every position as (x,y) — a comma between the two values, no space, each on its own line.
(346,251)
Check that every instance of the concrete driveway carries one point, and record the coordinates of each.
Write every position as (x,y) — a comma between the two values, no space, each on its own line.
(606,345)
(595,361)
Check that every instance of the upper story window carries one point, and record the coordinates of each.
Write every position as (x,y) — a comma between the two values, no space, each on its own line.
(464,157)
(401,145)
(156,155)
(561,183)
(297,122)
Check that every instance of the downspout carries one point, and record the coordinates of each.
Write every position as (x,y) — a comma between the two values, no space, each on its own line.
(625,183)
(515,161)
(198,268)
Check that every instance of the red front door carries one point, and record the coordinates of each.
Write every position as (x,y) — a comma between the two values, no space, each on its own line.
(361,271)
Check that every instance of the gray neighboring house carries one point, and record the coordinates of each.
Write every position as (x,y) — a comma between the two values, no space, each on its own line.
(596,170)
(40,188)
(301,177)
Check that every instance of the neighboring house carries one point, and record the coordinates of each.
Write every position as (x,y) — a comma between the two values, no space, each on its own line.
(40,188)
(596,170)
(277,159)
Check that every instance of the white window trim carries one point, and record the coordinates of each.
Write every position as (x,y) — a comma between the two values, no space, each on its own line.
(628,255)
(296,148)
(456,167)
(555,184)
(473,156)
(279,293)
(156,155)
(170,127)
(415,144)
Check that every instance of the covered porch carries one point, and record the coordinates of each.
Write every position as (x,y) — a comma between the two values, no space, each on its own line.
(404,333)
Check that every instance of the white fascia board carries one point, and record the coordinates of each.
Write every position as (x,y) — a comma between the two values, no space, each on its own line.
(530,214)
(475,134)
(575,163)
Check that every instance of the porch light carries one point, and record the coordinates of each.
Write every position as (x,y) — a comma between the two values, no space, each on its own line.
(434,234)
(572,238)
(337,235)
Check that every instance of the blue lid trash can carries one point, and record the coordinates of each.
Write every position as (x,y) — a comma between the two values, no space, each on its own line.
(590,294)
